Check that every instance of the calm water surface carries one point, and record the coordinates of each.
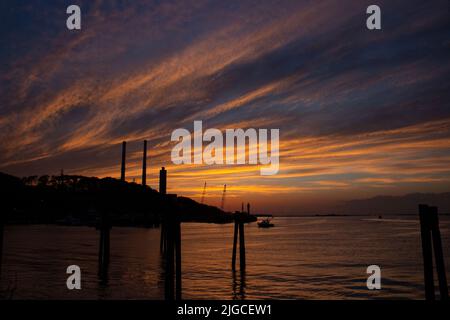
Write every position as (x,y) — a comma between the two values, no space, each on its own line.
(301,258)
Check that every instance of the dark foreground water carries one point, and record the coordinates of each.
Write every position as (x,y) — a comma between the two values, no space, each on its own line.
(301,258)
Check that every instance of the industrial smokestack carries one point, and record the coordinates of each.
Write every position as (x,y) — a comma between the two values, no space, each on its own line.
(248,208)
(163,181)
(144,165)
(122,170)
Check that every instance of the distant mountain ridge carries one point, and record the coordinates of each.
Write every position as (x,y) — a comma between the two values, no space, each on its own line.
(406,204)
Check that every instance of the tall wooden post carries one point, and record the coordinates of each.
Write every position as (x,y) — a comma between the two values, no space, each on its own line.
(241,246)
(438,254)
(172,258)
(100,251)
(233,257)
(122,168)
(431,238)
(178,260)
(164,227)
(426,253)
(238,232)
(144,165)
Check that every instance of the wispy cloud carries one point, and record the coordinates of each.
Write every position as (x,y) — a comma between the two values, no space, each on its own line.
(357,110)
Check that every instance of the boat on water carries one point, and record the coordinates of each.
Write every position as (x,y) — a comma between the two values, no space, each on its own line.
(265,223)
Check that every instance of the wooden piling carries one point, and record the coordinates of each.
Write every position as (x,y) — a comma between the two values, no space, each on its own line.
(100,252)
(241,246)
(233,257)
(425,232)
(178,260)
(431,239)
(172,258)
(438,254)
(238,232)
(163,191)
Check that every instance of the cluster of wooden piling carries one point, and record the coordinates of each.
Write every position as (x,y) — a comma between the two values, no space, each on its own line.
(171,251)
(431,239)
(104,225)
(170,242)
(239,218)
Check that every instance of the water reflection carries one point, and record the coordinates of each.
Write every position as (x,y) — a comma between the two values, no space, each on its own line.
(302,258)
(238,284)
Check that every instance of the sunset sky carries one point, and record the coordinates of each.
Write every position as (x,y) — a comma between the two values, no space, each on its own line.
(361,113)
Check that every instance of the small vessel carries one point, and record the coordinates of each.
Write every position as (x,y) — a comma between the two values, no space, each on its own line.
(265,223)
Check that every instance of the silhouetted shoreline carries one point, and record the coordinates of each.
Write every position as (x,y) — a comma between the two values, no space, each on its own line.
(79,200)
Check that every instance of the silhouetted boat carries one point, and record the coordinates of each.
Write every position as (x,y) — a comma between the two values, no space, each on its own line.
(265,223)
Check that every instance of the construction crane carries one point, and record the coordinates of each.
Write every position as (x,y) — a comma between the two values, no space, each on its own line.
(223,196)
(203,194)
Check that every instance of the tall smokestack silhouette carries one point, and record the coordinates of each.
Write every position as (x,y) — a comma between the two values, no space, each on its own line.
(163,181)
(144,165)
(248,208)
(122,170)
